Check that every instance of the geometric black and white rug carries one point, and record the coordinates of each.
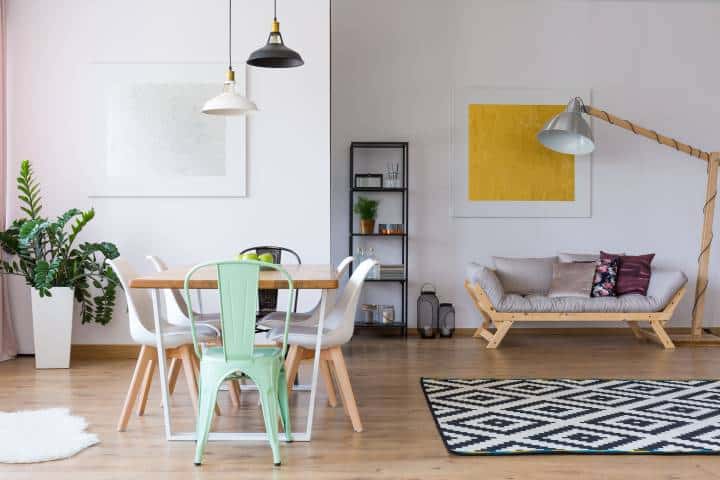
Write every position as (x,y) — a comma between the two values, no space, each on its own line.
(535,416)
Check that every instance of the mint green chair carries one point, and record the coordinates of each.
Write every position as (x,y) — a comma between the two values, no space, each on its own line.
(238,287)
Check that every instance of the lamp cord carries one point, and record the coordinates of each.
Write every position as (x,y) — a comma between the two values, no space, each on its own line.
(275,10)
(229,34)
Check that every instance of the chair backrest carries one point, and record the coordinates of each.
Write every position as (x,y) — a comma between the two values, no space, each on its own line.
(238,287)
(343,266)
(342,317)
(139,301)
(175,305)
(267,299)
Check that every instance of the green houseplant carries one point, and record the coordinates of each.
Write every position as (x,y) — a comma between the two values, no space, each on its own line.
(46,253)
(367,210)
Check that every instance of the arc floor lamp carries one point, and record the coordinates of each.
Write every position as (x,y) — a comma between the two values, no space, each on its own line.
(568,132)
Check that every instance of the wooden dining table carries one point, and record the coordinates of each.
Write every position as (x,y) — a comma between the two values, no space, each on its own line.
(304,277)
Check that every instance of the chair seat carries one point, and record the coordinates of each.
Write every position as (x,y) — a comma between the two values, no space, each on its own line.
(260,353)
(176,335)
(277,320)
(306,336)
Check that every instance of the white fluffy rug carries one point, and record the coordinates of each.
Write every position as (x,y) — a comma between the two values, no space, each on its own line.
(32,436)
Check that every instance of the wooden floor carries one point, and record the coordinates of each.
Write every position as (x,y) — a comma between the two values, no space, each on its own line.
(400,440)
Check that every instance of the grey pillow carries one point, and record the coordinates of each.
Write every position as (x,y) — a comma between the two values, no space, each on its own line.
(572,279)
(525,276)
(578,257)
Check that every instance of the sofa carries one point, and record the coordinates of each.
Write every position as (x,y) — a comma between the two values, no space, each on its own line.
(522,294)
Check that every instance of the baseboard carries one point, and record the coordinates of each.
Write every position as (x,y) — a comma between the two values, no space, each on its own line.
(104,352)
(130,352)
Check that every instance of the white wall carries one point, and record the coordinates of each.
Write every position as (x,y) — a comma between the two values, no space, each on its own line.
(396,63)
(51,46)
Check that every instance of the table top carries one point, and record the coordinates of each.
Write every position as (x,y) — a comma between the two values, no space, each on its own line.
(310,277)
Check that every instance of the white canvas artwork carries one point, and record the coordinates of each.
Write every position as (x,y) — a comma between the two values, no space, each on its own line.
(155,139)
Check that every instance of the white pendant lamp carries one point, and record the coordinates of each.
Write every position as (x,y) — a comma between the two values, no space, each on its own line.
(229,102)
(568,132)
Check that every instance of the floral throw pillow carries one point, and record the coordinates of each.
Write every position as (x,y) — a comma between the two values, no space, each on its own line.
(606,270)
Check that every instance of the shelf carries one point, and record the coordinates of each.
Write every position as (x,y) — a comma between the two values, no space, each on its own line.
(378,234)
(380,325)
(370,189)
(401,280)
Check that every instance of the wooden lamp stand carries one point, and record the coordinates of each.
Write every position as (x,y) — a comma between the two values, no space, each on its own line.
(698,334)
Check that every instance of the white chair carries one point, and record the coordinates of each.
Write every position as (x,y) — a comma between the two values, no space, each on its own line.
(338,329)
(277,319)
(176,307)
(177,341)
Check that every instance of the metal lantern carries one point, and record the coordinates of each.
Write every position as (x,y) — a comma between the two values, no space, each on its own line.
(427,311)
(446,319)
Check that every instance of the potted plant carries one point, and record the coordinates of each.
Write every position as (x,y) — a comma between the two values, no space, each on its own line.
(367,209)
(60,272)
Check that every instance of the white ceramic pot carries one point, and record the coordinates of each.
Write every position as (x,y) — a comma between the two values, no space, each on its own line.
(52,327)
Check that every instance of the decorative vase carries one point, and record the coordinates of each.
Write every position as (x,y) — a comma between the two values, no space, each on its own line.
(52,327)
(367,226)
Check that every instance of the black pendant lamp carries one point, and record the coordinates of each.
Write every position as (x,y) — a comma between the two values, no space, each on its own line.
(275,54)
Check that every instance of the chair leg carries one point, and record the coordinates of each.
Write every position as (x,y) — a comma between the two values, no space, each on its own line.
(208,399)
(327,378)
(186,356)
(269,401)
(345,387)
(140,365)
(196,371)
(234,389)
(292,364)
(284,404)
(145,389)
(173,372)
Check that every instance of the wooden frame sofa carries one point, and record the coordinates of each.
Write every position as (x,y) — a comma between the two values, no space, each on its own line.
(503,320)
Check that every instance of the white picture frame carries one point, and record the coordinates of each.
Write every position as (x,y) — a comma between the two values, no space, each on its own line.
(153,140)
(461,206)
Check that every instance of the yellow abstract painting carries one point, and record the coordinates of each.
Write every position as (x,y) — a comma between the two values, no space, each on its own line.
(507,163)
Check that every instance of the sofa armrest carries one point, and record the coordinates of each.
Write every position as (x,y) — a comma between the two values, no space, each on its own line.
(664,284)
(488,281)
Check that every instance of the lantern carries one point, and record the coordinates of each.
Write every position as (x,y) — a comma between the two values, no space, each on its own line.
(427,311)
(446,320)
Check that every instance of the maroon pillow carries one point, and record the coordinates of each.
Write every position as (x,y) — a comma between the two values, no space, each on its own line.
(634,274)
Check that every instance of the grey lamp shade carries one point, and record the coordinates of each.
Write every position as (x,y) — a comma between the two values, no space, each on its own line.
(568,132)
(275,54)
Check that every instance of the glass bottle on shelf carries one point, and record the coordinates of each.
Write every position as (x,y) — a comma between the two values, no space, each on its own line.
(375,272)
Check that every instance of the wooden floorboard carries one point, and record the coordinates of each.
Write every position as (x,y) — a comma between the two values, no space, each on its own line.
(400,439)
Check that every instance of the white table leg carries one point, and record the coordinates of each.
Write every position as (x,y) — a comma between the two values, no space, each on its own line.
(162,364)
(316,364)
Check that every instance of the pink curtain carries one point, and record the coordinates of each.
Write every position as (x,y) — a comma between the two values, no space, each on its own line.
(8,344)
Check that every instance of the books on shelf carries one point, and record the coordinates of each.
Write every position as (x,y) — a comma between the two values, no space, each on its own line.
(391,271)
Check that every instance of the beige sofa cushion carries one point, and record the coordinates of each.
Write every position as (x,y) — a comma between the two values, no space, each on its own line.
(525,276)
(572,279)
(565,257)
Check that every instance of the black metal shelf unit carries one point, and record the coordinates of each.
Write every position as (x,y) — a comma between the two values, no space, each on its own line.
(402,193)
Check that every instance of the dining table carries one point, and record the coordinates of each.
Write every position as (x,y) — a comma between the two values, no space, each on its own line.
(304,277)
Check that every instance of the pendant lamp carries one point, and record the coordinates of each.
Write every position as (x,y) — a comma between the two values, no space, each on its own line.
(275,54)
(229,102)
(568,132)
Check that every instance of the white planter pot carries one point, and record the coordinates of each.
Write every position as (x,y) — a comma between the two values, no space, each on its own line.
(52,327)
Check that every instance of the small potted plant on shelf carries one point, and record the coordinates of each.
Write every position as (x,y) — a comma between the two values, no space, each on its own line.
(367,209)
(60,272)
